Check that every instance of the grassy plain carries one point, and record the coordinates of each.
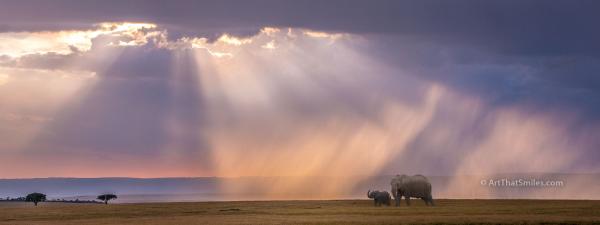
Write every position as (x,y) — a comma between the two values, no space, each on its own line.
(307,212)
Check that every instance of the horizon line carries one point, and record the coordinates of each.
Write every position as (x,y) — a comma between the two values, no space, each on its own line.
(288,176)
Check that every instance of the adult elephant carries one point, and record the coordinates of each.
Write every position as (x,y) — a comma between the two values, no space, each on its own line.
(417,186)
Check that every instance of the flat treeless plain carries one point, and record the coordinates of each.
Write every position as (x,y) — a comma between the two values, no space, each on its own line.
(446,211)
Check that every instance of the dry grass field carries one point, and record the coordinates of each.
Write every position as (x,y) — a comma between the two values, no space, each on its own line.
(307,212)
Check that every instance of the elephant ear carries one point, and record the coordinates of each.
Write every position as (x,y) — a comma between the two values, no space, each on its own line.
(404,179)
(396,180)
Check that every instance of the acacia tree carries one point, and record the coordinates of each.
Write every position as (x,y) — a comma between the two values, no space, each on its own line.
(35,198)
(106,197)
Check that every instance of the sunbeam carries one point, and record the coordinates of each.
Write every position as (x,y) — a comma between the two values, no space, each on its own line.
(292,103)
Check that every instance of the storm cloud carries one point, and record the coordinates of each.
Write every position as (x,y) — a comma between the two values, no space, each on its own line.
(300,88)
(554,41)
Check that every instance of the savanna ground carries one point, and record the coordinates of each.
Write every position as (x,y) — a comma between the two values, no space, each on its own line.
(307,212)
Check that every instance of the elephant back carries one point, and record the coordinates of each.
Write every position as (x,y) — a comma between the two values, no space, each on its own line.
(417,186)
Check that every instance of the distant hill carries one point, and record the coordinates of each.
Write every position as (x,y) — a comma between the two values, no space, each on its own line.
(573,186)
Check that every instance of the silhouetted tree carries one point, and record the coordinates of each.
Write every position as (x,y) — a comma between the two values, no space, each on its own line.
(35,198)
(106,197)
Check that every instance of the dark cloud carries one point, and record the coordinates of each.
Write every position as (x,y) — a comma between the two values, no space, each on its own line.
(38,26)
(104,58)
(540,55)
(516,27)
(485,41)
(554,82)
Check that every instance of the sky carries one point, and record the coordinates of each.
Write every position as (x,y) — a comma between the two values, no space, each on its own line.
(298,88)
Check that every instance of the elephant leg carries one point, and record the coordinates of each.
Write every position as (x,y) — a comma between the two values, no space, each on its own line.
(395,195)
(374,202)
(407,200)
(431,201)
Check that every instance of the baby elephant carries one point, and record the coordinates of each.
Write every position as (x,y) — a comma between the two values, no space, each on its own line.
(380,197)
